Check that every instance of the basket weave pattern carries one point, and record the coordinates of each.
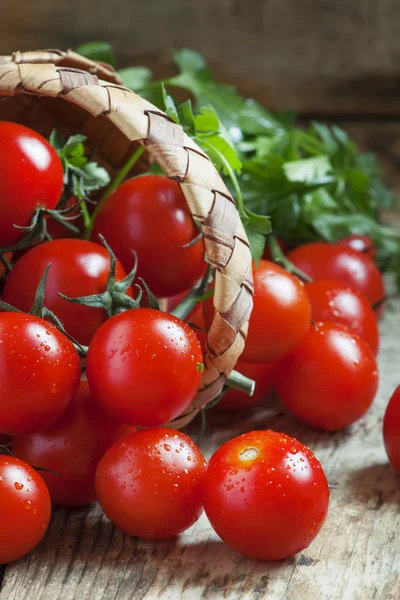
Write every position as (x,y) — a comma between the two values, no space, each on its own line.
(38,91)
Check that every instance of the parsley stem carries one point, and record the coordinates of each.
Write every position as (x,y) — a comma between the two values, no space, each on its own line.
(86,219)
(280,259)
(118,179)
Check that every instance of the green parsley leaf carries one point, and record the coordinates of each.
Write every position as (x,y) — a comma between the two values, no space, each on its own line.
(100,51)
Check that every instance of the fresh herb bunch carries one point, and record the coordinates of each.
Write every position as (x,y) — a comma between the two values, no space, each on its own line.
(310,183)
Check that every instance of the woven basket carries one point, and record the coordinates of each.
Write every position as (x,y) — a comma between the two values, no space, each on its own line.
(52,89)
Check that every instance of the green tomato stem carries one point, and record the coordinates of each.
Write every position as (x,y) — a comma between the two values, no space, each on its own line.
(279,258)
(242,383)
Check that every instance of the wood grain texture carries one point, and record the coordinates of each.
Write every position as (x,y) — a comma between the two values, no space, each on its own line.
(319,56)
(355,557)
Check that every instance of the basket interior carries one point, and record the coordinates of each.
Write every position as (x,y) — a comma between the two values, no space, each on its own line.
(105,142)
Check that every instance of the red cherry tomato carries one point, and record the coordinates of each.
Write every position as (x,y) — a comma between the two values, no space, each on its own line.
(5,440)
(149,215)
(361,243)
(149,483)
(330,261)
(31,175)
(144,366)
(236,400)
(391,429)
(78,268)
(72,447)
(266,495)
(57,230)
(196,317)
(40,372)
(280,318)
(25,509)
(340,303)
(330,380)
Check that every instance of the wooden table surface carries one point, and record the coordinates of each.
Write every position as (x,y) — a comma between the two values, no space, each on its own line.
(355,557)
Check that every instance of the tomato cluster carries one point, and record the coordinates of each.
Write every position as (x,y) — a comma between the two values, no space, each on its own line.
(91,370)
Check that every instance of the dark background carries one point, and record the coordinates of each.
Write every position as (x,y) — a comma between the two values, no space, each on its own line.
(335,60)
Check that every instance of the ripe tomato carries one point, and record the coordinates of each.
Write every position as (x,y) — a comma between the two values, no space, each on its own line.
(40,372)
(391,429)
(149,483)
(72,447)
(280,317)
(236,400)
(78,268)
(330,380)
(25,509)
(331,261)
(340,303)
(361,243)
(31,175)
(265,494)
(149,215)
(144,366)
(196,317)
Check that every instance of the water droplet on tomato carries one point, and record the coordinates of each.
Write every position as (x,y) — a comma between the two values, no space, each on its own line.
(18,486)
(167,447)
(28,505)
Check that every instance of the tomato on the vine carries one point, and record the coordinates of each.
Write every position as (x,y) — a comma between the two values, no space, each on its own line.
(57,230)
(149,214)
(149,483)
(72,448)
(265,494)
(338,302)
(280,318)
(361,243)
(391,429)
(144,366)
(25,509)
(321,260)
(78,268)
(31,176)
(330,380)
(40,372)
(234,399)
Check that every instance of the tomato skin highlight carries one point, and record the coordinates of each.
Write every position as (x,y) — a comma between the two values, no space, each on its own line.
(144,367)
(25,509)
(234,400)
(149,483)
(391,429)
(321,260)
(361,243)
(265,494)
(280,318)
(149,214)
(330,380)
(31,175)
(340,303)
(72,447)
(39,373)
(78,268)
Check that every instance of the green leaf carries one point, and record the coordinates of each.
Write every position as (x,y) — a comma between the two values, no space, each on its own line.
(186,117)
(255,120)
(257,244)
(169,105)
(135,78)
(189,61)
(94,176)
(215,140)
(100,51)
(309,169)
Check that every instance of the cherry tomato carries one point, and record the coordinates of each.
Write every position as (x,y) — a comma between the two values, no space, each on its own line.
(40,372)
(5,440)
(236,400)
(196,317)
(361,243)
(72,447)
(149,483)
(31,176)
(144,366)
(57,231)
(340,303)
(280,318)
(78,268)
(25,509)
(149,214)
(330,261)
(391,429)
(330,380)
(266,495)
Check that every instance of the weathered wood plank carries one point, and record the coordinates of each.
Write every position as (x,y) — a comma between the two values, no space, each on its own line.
(354,558)
(320,57)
